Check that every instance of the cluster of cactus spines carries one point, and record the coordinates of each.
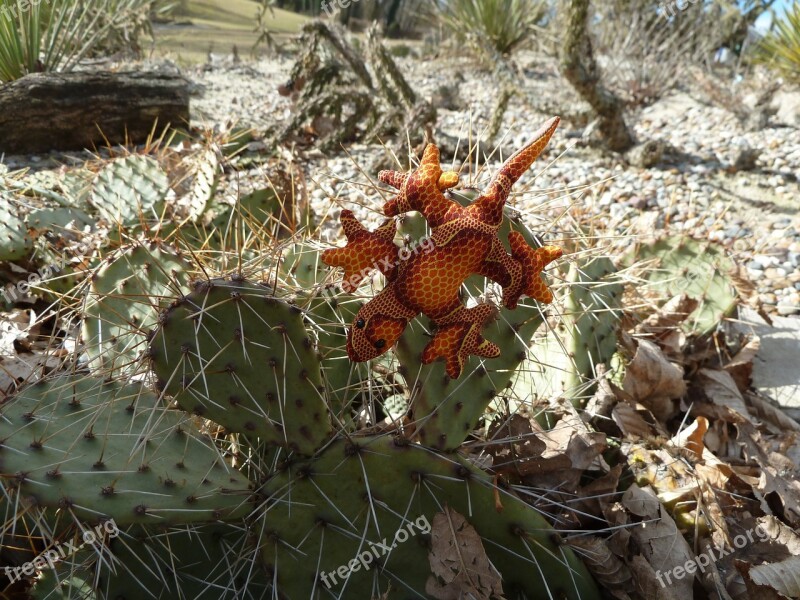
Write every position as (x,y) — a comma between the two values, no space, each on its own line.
(350,504)
(698,269)
(126,295)
(129,190)
(15,243)
(231,352)
(94,450)
(445,411)
(205,177)
(213,561)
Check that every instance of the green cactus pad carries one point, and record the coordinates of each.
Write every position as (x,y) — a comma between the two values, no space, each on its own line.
(15,243)
(202,562)
(94,449)
(231,352)
(127,293)
(362,494)
(130,189)
(696,268)
(586,334)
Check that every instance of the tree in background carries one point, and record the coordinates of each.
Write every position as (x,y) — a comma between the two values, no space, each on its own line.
(579,67)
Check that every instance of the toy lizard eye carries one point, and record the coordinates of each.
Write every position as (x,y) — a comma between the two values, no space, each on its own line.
(360,323)
(380,343)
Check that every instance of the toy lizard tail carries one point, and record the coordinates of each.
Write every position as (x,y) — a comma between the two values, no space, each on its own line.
(365,250)
(489,206)
(533,261)
(458,336)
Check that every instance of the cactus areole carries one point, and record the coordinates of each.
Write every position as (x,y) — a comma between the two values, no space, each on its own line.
(427,280)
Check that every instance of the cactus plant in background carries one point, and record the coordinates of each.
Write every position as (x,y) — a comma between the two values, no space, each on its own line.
(130,190)
(15,243)
(698,269)
(126,295)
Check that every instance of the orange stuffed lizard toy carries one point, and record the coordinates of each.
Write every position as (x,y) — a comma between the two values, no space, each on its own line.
(465,242)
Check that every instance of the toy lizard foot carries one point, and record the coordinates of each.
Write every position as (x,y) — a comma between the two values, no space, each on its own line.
(533,261)
(365,250)
(458,336)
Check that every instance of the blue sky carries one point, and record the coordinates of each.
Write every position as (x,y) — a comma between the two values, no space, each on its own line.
(780,8)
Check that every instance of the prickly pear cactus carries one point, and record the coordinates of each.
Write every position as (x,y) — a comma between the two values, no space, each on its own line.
(696,268)
(92,448)
(129,190)
(15,244)
(231,352)
(127,292)
(354,522)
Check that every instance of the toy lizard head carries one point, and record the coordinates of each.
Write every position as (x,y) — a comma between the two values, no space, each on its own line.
(373,331)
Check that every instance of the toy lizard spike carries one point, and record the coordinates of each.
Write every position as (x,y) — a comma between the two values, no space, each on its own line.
(533,260)
(489,206)
(463,242)
(365,250)
(422,189)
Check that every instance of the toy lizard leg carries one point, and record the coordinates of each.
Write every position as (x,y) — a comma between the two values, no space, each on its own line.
(458,335)
(533,261)
(365,250)
(502,268)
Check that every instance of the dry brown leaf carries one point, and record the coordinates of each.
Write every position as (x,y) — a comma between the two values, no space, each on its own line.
(756,591)
(691,437)
(784,576)
(771,414)
(659,540)
(608,569)
(593,499)
(654,381)
(781,496)
(458,561)
(666,321)
(647,583)
(514,442)
(740,366)
(630,422)
(721,389)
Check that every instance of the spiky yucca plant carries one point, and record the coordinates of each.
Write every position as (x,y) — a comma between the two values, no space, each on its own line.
(56,36)
(500,25)
(781,47)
